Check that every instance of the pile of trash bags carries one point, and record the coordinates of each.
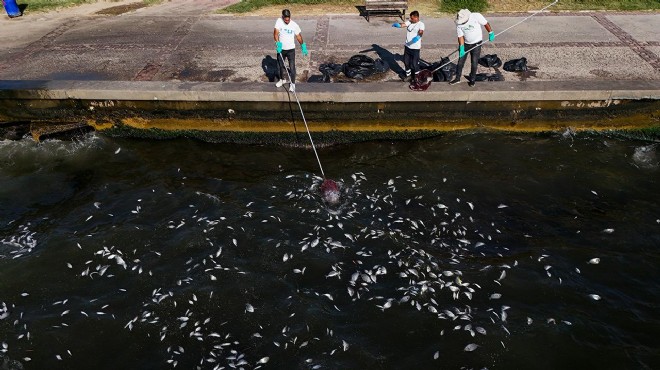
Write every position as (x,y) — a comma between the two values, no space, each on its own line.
(445,73)
(358,67)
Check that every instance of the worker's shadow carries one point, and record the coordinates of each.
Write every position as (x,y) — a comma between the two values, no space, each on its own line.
(270,68)
(388,57)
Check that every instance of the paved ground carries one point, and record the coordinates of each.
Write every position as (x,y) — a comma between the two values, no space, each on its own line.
(186,41)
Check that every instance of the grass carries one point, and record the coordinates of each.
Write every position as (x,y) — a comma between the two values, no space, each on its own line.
(608,5)
(45,5)
(40,5)
(452,6)
(246,6)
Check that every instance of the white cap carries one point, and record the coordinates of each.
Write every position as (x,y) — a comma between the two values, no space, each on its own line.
(462,16)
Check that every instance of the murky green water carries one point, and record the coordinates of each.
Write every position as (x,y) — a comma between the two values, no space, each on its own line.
(463,251)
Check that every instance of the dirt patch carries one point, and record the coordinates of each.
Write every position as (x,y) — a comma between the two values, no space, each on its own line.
(121,9)
(529,73)
(601,73)
(195,74)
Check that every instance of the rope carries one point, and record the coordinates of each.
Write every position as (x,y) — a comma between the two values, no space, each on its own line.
(303,117)
(497,34)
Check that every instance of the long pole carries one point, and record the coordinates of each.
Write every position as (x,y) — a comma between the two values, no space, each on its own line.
(497,34)
(303,117)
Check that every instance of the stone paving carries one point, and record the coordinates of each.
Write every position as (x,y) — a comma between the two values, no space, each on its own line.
(188,41)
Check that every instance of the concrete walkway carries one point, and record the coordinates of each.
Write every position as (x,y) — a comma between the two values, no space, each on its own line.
(186,41)
(181,67)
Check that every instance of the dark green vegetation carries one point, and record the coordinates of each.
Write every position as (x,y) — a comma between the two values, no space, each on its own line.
(608,5)
(452,6)
(43,5)
(249,5)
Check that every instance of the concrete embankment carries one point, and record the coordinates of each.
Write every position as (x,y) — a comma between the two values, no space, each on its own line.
(257,112)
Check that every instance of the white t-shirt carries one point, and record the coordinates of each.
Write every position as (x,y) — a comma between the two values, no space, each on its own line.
(412,30)
(287,33)
(471,30)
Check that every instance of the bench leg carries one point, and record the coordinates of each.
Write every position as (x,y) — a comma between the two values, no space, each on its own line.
(403,15)
(367,15)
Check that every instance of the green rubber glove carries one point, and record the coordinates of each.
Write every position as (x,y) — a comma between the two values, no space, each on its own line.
(461,51)
(304,49)
(278,47)
(491,36)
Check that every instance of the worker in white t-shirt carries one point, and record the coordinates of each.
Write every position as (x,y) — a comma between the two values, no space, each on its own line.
(413,45)
(468,28)
(285,34)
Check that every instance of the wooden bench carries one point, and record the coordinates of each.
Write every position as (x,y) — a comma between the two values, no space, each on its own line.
(386,7)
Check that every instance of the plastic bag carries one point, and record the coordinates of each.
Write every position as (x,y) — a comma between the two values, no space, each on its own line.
(446,72)
(490,60)
(329,69)
(360,60)
(489,77)
(516,65)
(360,66)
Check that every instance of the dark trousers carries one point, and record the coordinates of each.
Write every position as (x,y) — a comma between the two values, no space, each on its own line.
(291,56)
(411,61)
(474,59)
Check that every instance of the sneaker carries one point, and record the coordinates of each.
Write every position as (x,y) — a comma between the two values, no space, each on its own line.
(471,83)
(292,87)
(408,78)
(455,81)
(280,83)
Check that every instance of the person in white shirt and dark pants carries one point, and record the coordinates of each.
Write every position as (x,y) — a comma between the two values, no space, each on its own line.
(468,28)
(413,45)
(286,33)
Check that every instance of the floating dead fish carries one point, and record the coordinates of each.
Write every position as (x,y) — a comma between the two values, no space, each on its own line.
(470,347)
(594,261)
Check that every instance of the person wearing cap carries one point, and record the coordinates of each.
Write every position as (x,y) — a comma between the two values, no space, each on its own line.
(286,33)
(468,28)
(413,45)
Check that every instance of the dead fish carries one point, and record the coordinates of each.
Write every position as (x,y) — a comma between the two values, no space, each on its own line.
(263,360)
(594,261)
(470,347)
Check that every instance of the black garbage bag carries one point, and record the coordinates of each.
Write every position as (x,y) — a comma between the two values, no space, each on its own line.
(490,60)
(360,60)
(330,69)
(358,67)
(361,66)
(516,65)
(446,72)
(489,77)
(357,72)
(381,66)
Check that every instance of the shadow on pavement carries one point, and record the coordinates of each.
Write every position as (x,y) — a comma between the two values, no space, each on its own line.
(388,57)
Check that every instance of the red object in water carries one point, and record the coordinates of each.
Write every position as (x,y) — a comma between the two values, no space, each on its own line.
(328,185)
(330,191)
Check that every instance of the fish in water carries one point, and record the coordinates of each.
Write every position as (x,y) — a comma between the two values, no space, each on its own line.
(330,191)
